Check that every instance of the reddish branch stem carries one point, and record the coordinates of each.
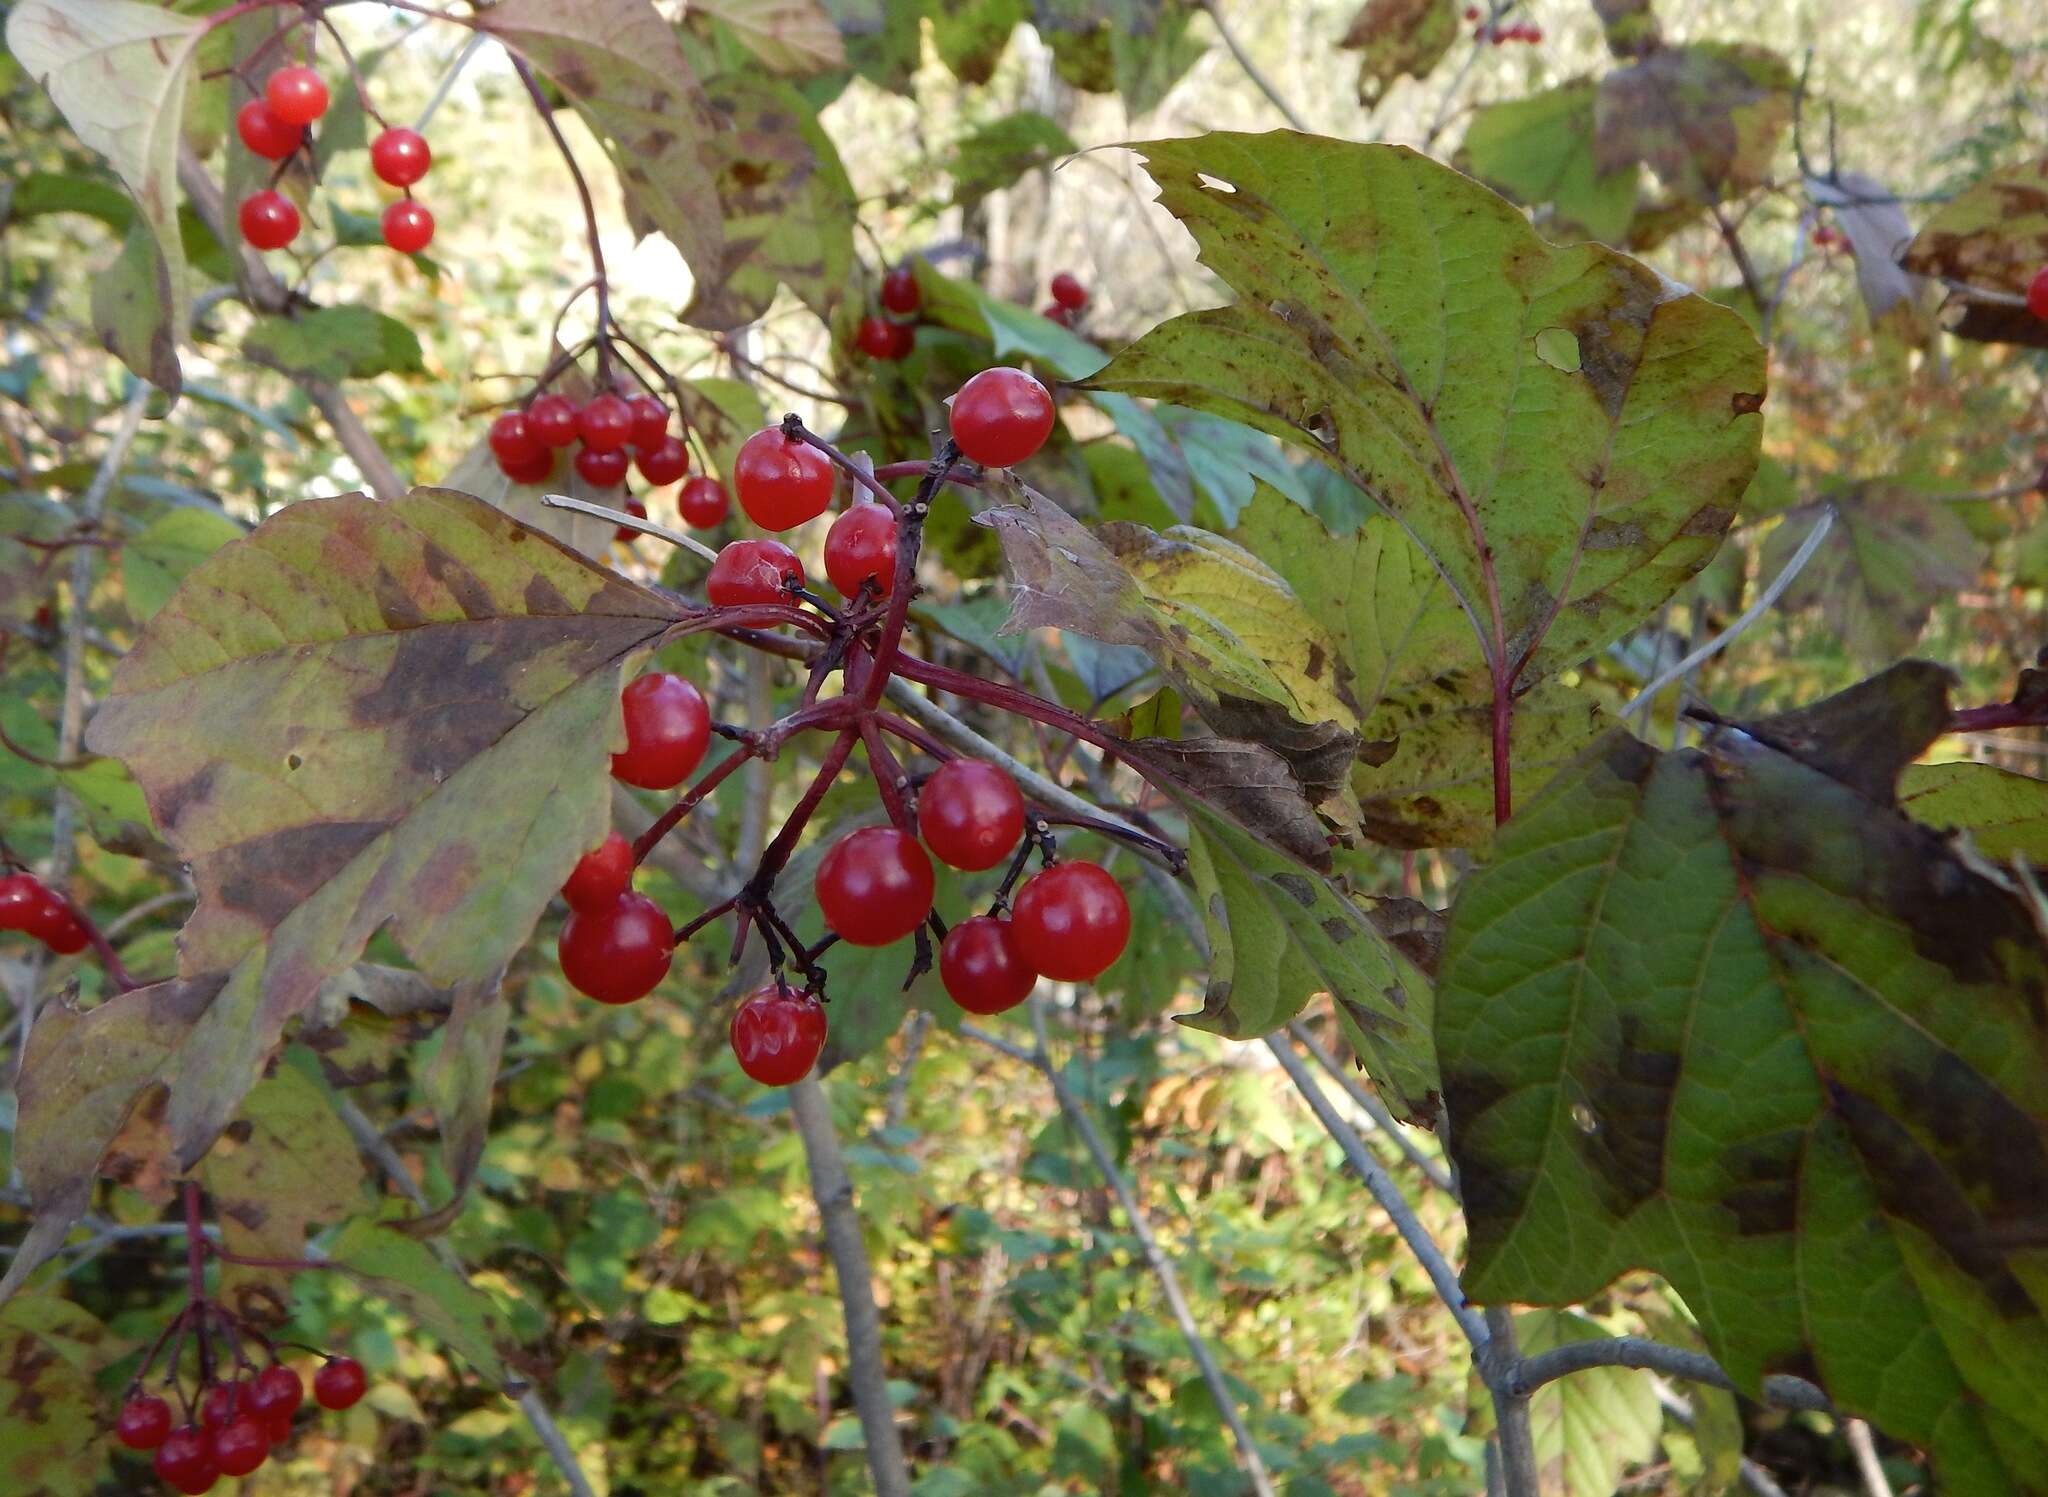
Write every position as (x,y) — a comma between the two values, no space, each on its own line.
(1999,715)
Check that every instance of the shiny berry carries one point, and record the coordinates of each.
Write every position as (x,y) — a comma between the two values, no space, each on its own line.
(782,481)
(627,533)
(21,895)
(2037,294)
(1054,312)
(1001,416)
(223,1403)
(268,219)
(602,467)
(702,503)
(861,548)
(617,954)
(144,1422)
(664,462)
(535,469)
(601,875)
(1068,291)
(877,339)
(297,95)
(668,727)
(981,968)
(277,1390)
(971,814)
(776,1036)
(241,1447)
(552,419)
(874,886)
(513,442)
(339,1383)
(605,424)
(650,422)
(264,133)
(400,156)
(1071,921)
(899,291)
(408,226)
(185,1461)
(905,340)
(753,572)
(57,927)
(278,1427)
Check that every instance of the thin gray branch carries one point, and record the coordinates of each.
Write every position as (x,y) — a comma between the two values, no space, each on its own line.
(1373,1108)
(1531,1373)
(1864,1448)
(1515,1439)
(630,522)
(1251,69)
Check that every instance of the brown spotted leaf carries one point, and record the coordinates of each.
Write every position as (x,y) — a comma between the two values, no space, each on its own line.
(1725,1015)
(51,1419)
(1707,119)
(1566,434)
(1399,38)
(1991,237)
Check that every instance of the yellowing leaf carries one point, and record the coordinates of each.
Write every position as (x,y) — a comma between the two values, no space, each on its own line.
(790,36)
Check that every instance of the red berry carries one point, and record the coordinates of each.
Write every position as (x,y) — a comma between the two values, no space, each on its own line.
(782,481)
(899,291)
(339,1383)
(241,1447)
(606,424)
(650,422)
(1054,312)
(861,547)
(56,925)
(970,814)
(2037,294)
(874,886)
(1471,12)
(552,419)
(185,1460)
(277,1390)
(877,339)
(638,511)
(513,442)
(980,966)
(602,467)
(264,133)
(297,95)
(664,462)
(753,572)
(776,1036)
(400,156)
(1001,416)
(1533,34)
(617,954)
(535,469)
(268,219)
(668,727)
(903,340)
(144,1423)
(702,503)
(223,1403)
(601,875)
(22,895)
(1068,291)
(1071,921)
(278,1427)
(408,226)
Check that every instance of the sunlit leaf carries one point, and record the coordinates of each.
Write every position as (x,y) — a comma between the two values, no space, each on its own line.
(1539,150)
(155,561)
(347,342)
(404,1271)
(2006,814)
(1592,1426)
(49,1422)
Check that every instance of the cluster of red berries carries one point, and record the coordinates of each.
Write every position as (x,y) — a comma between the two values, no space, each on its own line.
(274,124)
(2037,294)
(1069,300)
(1484,31)
(28,904)
(890,338)
(611,433)
(239,1423)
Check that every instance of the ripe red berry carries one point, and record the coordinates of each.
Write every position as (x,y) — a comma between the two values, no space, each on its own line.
(279,1427)
(668,727)
(782,481)
(877,339)
(339,1383)
(277,1390)
(903,340)
(874,886)
(2037,294)
(617,954)
(552,419)
(753,572)
(605,424)
(21,895)
(185,1461)
(602,467)
(223,1403)
(535,469)
(268,219)
(1533,34)
(664,462)
(702,503)
(264,133)
(400,156)
(650,421)
(241,1447)
(408,226)
(861,547)
(1068,291)
(776,1036)
(513,442)
(971,814)
(54,924)
(600,876)
(1001,416)
(1071,921)
(1054,312)
(297,94)
(638,511)
(981,967)
(144,1422)
(1471,12)
(899,291)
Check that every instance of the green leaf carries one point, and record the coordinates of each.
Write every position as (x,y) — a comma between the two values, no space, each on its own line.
(2006,814)
(1994,235)
(26,578)
(133,310)
(970,37)
(1388,321)
(53,192)
(52,1351)
(348,342)
(1728,1015)
(155,561)
(1893,553)
(1592,1426)
(404,1271)
(459,1079)
(788,36)
(1399,39)
(120,72)
(1539,150)
(1147,63)
(723,413)
(997,152)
